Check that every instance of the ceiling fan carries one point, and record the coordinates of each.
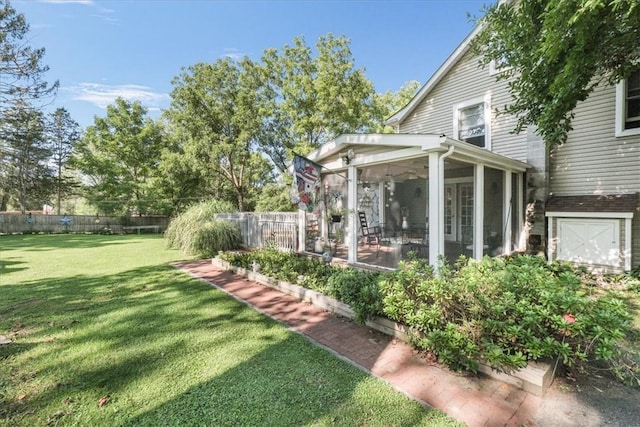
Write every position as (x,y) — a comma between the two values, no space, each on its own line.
(414,174)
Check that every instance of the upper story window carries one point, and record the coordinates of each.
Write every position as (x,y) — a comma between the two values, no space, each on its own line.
(628,106)
(498,67)
(472,122)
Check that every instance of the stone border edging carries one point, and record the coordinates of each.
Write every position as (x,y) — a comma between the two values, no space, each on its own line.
(535,378)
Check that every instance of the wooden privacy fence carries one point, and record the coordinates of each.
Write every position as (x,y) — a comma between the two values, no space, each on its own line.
(266,229)
(11,223)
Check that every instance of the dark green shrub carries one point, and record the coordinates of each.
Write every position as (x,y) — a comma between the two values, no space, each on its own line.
(359,289)
(195,231)
(503,311)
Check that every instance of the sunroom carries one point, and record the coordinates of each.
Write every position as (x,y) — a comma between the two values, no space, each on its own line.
(386,197)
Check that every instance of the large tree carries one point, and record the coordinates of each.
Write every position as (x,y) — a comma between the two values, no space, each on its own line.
(27,174)
(119,156)
(21,66)
(555,52)
(62,134)
(313,98)
(22,85)
(390,102)
(216,108)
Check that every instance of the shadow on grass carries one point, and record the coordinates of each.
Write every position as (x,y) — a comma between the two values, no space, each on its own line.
(49,242)
(166,349)
(7,266)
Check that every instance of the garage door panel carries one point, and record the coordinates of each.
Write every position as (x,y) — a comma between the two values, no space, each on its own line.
(589,241)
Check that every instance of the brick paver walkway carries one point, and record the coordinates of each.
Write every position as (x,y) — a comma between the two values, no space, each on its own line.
(474,401)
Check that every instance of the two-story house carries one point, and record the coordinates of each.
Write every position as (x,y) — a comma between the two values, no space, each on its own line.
(453,179)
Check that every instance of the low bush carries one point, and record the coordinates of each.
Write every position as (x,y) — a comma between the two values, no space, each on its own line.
(196,232)
(501,311)
(310,273)
(359,289)
(504,312)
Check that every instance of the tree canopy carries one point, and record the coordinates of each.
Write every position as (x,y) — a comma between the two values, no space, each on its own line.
(216,108)
(62,134)
(22,87)
(27,175)
(555,52)
(313,98)
(119,156)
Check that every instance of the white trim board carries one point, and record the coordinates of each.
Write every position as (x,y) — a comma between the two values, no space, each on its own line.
(589,214)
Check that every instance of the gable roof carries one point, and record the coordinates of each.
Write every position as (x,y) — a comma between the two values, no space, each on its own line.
(435,79)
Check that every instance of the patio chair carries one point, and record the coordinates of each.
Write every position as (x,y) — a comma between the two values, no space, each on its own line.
(370,235)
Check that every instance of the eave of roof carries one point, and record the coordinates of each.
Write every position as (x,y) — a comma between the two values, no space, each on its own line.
(421,145)
(435,79)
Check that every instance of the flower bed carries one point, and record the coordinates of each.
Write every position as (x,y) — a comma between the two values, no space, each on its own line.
(494,316)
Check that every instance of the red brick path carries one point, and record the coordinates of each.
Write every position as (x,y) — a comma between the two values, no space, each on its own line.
(474,401)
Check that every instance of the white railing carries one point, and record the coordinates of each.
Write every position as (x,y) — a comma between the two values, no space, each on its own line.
(259,230)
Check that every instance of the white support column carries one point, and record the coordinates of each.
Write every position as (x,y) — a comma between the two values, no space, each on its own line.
(302,230)
(352,205)
(627,243)
(381,201)
(521,214)
(478,211)
(436,209)
(551,243)
(507,215)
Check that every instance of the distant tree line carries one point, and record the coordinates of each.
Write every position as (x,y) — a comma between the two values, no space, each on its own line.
(228,134)
(232,125)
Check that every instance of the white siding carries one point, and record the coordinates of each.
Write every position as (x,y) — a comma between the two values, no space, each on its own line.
(467,81)
(594,161)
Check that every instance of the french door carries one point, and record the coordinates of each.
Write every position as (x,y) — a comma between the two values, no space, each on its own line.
(458,212)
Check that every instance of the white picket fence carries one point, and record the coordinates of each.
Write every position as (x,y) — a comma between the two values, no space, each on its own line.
(259,230)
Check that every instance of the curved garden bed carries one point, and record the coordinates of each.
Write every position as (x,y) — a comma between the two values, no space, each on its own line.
(493,316)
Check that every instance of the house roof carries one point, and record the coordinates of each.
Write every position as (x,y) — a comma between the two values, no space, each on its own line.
(405,146)
(435,79)
(594,203)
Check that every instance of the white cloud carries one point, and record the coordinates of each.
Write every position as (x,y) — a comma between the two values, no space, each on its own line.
(102,95)
(233,53)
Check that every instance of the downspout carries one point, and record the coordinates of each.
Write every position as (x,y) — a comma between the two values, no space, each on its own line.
(441,198)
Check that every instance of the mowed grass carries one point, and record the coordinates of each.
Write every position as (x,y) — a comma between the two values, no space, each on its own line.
(105,332)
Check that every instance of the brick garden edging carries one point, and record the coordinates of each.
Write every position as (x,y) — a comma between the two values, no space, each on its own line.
(535,378)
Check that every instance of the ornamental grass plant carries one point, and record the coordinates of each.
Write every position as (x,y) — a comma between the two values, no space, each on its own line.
(197,232)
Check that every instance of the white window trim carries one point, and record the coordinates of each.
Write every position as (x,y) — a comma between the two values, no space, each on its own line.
(621,93)
(488,118)
(493,69)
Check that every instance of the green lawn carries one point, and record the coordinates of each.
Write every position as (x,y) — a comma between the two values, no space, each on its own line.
(97,319)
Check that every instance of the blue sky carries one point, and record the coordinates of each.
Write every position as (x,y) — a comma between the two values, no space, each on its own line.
(100,49)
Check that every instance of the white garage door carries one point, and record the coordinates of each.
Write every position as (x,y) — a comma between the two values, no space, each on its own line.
(589,241)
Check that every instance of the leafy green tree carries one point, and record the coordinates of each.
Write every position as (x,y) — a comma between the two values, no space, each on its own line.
(21,83)
(312,99)
(217,110)
(389,102)
(275,197)
(27,174)
(62,134)
(119,156)
(21,66)
(555,52)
